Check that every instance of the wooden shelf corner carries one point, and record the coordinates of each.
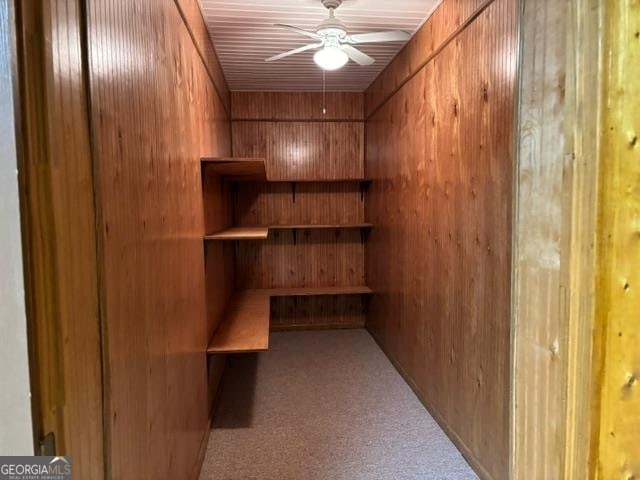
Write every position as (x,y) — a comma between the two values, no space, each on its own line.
(245,325)
(240,233)
(236,168)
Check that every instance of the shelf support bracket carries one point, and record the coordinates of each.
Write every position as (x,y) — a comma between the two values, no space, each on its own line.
(294,186)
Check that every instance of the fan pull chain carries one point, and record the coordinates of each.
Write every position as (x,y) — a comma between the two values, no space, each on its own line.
(324,95)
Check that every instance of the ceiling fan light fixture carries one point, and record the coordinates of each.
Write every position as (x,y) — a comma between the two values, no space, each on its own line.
(330,58)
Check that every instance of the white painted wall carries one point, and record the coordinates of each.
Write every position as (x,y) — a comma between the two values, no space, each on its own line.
(16,437)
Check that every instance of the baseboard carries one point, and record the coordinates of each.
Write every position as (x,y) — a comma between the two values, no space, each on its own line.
(453,436)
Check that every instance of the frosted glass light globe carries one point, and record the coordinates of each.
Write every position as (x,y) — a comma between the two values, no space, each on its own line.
(330,58)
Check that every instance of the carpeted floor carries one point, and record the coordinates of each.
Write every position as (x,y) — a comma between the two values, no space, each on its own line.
(324,405)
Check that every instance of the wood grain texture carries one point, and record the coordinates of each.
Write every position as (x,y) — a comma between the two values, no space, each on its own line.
(298,142)
(320,150)
(290,106)
(319,226)
(246,169)
(155,112)
(317,291)
(540,349)
(240,233)
(192,15)
(440,155)
(318,312)
(245,326)
(306,258)
(618,279)
(219,257)
(554,240)
(61,278)
(582,135)
(302,203)
(443,25)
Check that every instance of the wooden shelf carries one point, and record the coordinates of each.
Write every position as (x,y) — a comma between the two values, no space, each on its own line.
(248,169)
(245,326)
(312,291)
(240,233)
(236,168)
(261,233)
(320,227)
(320,180)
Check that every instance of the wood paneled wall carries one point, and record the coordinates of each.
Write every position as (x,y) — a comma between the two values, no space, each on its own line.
(304,106)
(451,17)
(59,236)
(192,16)
(155,110)
(439,151)
(299,142)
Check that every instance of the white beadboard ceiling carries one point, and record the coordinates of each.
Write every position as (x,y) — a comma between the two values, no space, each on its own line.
(243,34)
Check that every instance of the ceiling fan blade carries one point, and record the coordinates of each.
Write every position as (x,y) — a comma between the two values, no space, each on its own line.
(357,56)
(373,37)
(299,30)
(293,52)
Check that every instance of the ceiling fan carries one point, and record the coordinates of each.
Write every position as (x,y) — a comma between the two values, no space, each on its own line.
(336,44)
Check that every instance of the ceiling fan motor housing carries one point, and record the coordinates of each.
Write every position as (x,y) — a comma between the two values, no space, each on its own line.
(332,4)
(332,28)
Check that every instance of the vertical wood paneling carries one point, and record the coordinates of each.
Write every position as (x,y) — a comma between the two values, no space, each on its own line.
(444,24)
(192,14)
(61,278)
(155,112)
(297,105)
(440,156)
(305,258)
(301,150)
(297,142)
(299,204)
(618,280)
(317,312)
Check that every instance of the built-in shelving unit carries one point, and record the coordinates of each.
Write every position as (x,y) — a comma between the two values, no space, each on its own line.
(245,326)
(261,233)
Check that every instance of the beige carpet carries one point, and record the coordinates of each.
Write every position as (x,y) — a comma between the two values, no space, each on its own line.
(324,405)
